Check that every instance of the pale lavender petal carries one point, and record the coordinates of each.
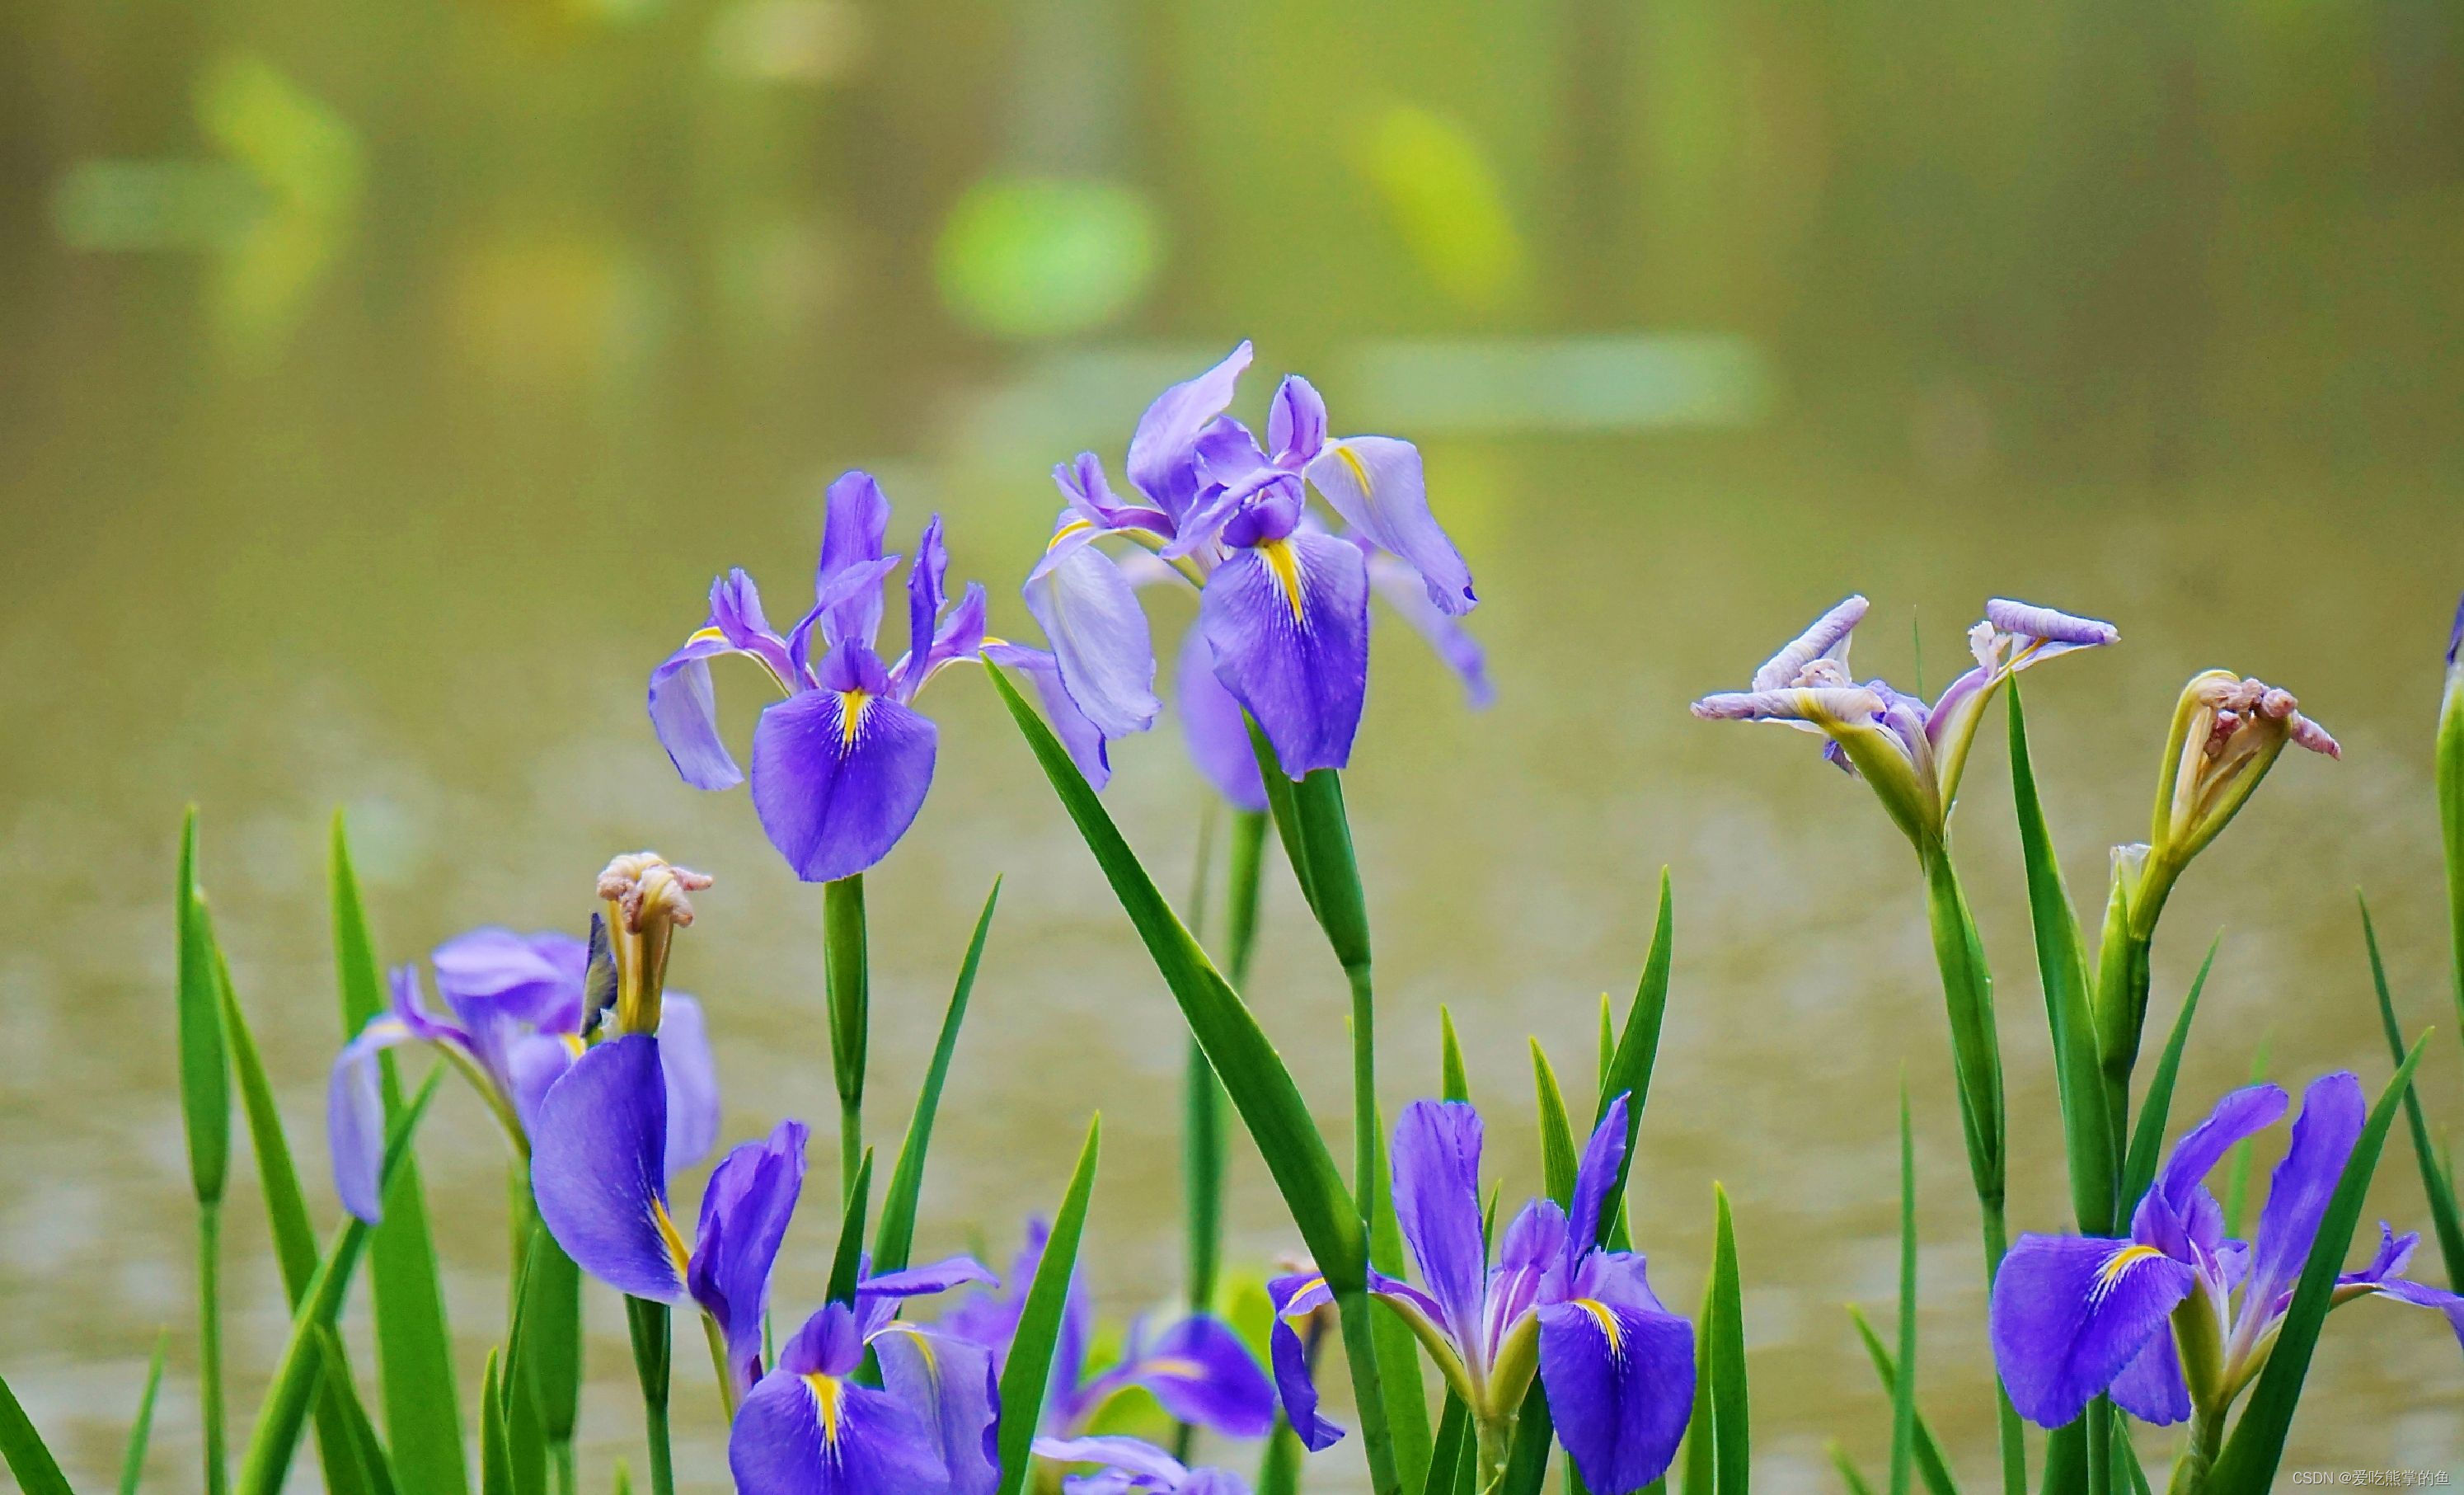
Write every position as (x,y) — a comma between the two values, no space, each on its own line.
(355,1119)
(1214,728)
(1817,707)
(1296,422)
(1084,739)
(1827,639)
(1159,451)
(1401,586)
(693,1083)
(1091,615)
(1375,482)
(2028,621)
(684,713)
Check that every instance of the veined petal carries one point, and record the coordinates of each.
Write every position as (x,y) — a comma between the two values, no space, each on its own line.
(1091,615)
(855,521)
(355,1120)
(1827,639)
(1211,726)
(951,1385)
(2151,1386)
(925,593)
(693,1083)
(2333,1111)
(839,773)
(1375,482)
(1620,1387)
(2069,1312)
(1091,496)
(684,713)
(1295,1299)
(1401,586)
(2054,632)
(1822,708)
(1595,1175)
(744,1212)
(1436,1169)
(1159,461)
(598,1169)
(1083,737)
(933,1276)
(1203,1374)
(1288,626)
(820,1433)
(960,636)
(1296,422)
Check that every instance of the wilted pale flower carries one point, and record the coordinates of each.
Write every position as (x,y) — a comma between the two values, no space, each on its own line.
(1913,753)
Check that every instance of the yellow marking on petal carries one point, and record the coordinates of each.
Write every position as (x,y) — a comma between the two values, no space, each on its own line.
(1175,1364)
(2117,1264)
(1359,471)
(851,704)
(1610,1329)
(1076,527)
(827,1393)
(668,1236)
(573,1047)
(1284,563)
(704,636)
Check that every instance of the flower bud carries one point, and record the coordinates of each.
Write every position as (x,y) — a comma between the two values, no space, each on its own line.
(2228,732)
(646,903)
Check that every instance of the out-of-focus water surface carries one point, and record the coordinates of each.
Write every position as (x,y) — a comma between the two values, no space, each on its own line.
(380,388)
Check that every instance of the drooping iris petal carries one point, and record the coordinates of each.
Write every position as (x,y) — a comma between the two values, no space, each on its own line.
(950,1383)
(1160,450)
(2051,631)
(1620,1383)
(535,979)
(2069,1312)
(1375,482)
(2252,1109)
(853,525)
(1090,612)
(598,1170)
(1289,624)
(1082,737)
(684,713)
(821,1434)
(839,773)
(2151,1386)
(1295,1298)
(355,1119)
(1827,639)
(1212,725)
(693,1083)
(1595,1175)
(1296,422)
(1202,1374)
(1459,651)
(745,1209)
(1437,1202)
(916,1281)
(2333,1110)
(2421,1295)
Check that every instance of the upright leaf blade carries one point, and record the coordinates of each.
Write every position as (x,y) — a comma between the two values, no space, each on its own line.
(2248,1464)
(1904,1385)
(205,1070)
(414,1348)
(847,1263)
(1558,1159)
(1454,1082)
(895,1236)
(28,1458)
(1933,1466)
(1637,1048)
(2434,1186)
(141,1428)
(2148,1140)
(1028,1373)
(1731,1415)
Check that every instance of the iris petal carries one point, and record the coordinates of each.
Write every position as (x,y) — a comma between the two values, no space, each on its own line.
(1288,625)
(355,1119)
(744,1212)
(684,713)
(838,776)
(2333,1111)
(1620,1386)
(950,1383)
(1296,1297)
(1083,737)
(2151,1386)
(828,1435)
(693,1083)
(2069,1312)
(1160,450)
(1091,615)
(1211,726)
(1204,1376)
(1375,482)
(1437,1201)
(599,1168)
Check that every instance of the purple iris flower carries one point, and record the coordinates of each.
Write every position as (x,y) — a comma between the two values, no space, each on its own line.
(841,764)
(2076,1316)
(514,1026)
(1196,1366)
(1283,626)
(1617,1365)
(809,1428)
(1912,753)
(1133,1467)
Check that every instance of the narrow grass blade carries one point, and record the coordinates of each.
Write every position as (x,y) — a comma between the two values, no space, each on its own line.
(895,1236)
(847,1263)
(1253,1073)
(2061,967)
(1454,1084)
(1731,1414)
(1933,1466)
(414,1348)
(652,1328)
(28,1458)
(545,1358)
(1028,1373)
(339,1448)
(2434,1185)
(1903,1388)
(1450,1454)
(1848,1476)
(141,1428)
(495,1457)
(1556,1132)
(2128,1473)
(1526,1459)
(1638,1051)
(281,1416)
(2248,1464)
(1699,1457)
(2155,1112)
(847,970)
(1608,1043)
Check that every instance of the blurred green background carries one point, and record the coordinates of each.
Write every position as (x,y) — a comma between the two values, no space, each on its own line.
(380,386)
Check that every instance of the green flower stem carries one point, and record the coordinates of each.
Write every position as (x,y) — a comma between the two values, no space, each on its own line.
(652,1347)
(2450,817)
(847,977)
(209,1342)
